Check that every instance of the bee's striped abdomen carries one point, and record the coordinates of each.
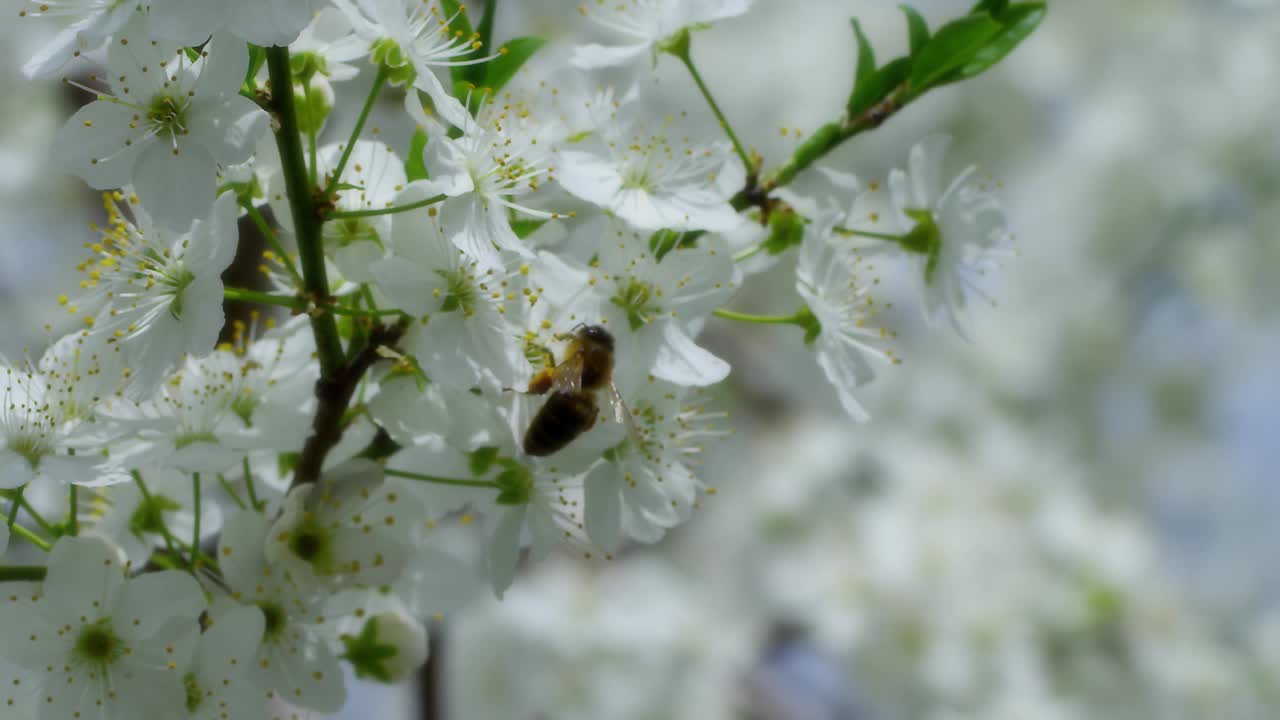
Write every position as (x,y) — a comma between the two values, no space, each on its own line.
(564,416)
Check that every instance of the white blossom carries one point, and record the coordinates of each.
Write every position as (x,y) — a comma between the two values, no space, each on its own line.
(261,22)
(464,335)
(295,661)
(103,646)
(218,684)
(422,39)
(165,126)
(499,159)
(962,225)
(90,24)
(833,283)
(646,485)
(644,24)
(654,308)
(155,294)
(649,179)
(348,528)
(330,38)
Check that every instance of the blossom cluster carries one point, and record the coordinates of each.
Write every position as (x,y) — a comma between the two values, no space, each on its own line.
(250,501)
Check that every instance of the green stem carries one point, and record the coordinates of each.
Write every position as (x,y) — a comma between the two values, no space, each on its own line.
(45,525)
(848,232)
(248,484)
(356,312)
(195,525)
(147,498)
(313,167)
(801,318)
(31,537)
(306,218)
(17,573)
(273,240)
(374,91)
(349,214)
(14,505)
(824,140)
(231,492)
(744,254)
(443,481)
(684,56)
(73,512)
(262,298)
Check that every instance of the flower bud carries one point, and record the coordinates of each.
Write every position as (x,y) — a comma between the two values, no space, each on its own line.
(313,104)
(390,646)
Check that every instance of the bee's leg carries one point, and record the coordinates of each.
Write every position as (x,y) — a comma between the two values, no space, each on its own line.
(540,383)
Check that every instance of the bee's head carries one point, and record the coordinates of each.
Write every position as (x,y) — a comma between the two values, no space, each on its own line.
(596,334)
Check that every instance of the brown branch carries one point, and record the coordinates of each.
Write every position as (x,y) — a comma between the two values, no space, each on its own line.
(334,394)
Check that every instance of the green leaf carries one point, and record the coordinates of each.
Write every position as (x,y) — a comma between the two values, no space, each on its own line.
(866,55)
(415,167)
(476,73)
(953,46)
(1019,21)
(917,28)
(879,86)
(525,227)
(513,55)
(994,8)
(257,58)
(459,26)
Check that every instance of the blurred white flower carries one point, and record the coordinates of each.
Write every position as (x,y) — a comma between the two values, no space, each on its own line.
(90,24)
(330,44)
(261,22)
(165,126)
(645,24)
(954,236)
(832,282)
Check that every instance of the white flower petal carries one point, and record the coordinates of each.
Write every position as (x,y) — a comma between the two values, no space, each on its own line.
(99,145)
(683,362)
(504,548)
(84,578)
(603,514)
(175,188)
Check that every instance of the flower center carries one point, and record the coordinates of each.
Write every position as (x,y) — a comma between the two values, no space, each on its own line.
(925,238)
(175,280)
(274,620)
(191,438)
(167,115)
(461,292)
(149,515)
(309,543)
(30,447)
(98,645)
(635,299)
(349,232)
(195,694)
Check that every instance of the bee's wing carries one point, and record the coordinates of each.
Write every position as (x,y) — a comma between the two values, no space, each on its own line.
(623,415)
(567,376)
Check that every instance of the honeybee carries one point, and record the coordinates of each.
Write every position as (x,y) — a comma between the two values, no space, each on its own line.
(571,408)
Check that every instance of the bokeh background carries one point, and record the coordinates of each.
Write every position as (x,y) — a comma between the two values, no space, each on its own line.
(1070,516)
